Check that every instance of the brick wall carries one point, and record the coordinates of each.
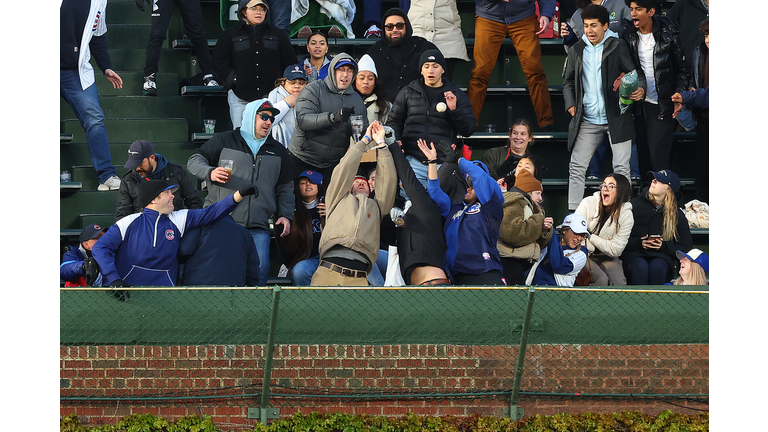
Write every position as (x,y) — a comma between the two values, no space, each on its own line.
(130,371)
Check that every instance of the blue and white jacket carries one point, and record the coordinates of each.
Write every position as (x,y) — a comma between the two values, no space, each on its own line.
(471,231)
(558,266)
(141,249)
(71,268)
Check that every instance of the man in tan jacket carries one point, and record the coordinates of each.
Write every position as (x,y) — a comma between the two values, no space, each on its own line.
(349,244)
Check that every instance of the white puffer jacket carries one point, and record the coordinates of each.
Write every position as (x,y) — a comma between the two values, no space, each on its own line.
(438,21)
(612,239)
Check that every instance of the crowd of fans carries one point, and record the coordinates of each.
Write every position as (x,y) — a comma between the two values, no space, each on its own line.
(355,161)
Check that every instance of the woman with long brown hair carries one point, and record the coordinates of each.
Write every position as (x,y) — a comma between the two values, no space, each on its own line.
(660,230)
(610,221)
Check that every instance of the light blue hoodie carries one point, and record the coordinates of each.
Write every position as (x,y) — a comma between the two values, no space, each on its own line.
(249,125)
(594,100)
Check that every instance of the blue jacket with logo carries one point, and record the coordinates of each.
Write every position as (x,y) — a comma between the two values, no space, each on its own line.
(471,231)
(141,249)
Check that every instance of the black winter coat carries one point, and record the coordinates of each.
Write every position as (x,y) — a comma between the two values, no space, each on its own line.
(421,241)
(650,220)
(250,58)
(391,75)
(670,71)
(128,196)
(412,119)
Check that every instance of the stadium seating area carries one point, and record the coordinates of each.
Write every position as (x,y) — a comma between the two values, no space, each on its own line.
(173,120)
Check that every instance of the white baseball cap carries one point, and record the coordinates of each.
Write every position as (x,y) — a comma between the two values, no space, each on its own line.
(576,223)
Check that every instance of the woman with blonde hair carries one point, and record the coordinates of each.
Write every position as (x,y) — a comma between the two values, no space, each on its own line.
(694,267)
(660,230)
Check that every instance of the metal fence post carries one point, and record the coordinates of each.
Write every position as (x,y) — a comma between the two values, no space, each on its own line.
(268,361)
(515,412)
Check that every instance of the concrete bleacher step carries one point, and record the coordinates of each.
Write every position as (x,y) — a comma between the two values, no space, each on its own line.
(143,107)
(103,219)
(73,154)
(85,202)
(133,59)
(167,84)
(128,130)
(129,35)
(126,12)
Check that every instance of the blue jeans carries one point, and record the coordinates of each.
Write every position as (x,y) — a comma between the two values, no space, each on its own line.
(236,109)
(280,15)
(647,271)
(420,170)
(262,239)
(377,275)
(85,104)
(301,273)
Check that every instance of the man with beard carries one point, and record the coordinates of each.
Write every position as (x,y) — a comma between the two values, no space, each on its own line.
(144,165)
(258,159)
(397,54)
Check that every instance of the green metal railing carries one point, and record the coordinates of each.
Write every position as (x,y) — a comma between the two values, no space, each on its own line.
(273,346)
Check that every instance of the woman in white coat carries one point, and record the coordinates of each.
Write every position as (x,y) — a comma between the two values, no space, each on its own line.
(438,21)
(283,97)
(609,221)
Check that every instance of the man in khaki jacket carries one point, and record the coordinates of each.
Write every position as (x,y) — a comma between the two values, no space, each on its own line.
(349,244)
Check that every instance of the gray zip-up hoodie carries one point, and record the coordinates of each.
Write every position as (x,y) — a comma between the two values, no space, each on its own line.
(318,141)
(269,169)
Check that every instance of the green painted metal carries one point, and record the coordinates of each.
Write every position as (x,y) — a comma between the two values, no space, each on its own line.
(270,351)
(383,316)
(516,412)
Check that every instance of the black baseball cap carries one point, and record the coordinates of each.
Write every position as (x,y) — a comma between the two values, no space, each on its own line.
(149,190)
(137,152)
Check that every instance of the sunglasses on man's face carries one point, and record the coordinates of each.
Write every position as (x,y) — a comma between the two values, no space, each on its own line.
(390,27)
(265,117)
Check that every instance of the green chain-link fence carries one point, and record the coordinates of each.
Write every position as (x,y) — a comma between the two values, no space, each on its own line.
(192,344)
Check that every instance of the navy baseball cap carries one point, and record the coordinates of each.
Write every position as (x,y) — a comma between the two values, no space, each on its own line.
(91,232)
(293,72)
(313,176)
(343,62)
(668,178)
(137,152)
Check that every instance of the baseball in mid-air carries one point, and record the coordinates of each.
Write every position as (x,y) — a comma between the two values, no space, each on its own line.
(441,107)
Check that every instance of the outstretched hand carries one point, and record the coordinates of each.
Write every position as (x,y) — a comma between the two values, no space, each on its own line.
(114,78)
(429,150)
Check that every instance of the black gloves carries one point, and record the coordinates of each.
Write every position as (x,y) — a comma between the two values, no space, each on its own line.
(342,115)
(248,190)
(140,4)
(450,154)
(90,271)
(119,294)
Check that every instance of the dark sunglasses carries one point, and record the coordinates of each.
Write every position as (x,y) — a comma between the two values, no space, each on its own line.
(400,26)
(265,117)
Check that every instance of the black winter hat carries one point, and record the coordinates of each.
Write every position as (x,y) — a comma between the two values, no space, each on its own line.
(149,190)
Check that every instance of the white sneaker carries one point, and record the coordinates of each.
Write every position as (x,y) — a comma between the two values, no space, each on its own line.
(112,183)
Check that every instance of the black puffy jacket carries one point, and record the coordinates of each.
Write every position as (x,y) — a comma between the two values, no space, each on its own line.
(128,196)
(670,71)
(649,220)
(412,119)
